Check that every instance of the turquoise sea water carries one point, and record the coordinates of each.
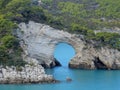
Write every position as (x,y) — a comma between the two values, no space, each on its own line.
(82,79)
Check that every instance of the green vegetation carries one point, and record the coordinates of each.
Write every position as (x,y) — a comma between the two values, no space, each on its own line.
(106,38)
(10,51)
(75,16)
(108,8)
(12,12)
(85,16)
(47,1)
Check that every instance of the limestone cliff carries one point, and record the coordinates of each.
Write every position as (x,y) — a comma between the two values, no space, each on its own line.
(92,58)
(39,40)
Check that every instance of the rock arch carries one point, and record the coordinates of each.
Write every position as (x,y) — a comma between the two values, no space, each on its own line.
(38,41)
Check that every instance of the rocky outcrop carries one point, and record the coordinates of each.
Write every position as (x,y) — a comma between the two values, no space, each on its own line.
(27,74)
(39,40)
(68,79)
(92,58)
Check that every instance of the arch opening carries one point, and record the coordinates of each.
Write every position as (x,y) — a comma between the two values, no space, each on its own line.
(63,53)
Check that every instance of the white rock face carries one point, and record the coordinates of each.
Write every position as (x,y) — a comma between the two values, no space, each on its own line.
(38,41)
(27,74)
(92,58)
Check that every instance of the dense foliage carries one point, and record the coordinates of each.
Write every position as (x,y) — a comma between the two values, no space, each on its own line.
(85,16)
(10,51)
(76,16)
(12,12)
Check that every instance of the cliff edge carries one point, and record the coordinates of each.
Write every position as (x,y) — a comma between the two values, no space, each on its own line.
(38,41)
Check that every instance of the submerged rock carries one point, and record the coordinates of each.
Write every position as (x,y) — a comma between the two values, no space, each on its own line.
(38,41)
(68,79)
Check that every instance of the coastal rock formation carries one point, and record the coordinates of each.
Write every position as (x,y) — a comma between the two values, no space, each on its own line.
(38,41)
(92,58)
(27,74)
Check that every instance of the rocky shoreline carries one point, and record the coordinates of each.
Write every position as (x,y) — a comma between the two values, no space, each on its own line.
(27,74)
(39,41)
(101,58)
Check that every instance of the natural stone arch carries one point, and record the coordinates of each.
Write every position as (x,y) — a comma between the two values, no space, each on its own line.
(39,41)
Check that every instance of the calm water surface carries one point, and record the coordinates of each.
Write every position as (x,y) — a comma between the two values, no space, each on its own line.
(82,79)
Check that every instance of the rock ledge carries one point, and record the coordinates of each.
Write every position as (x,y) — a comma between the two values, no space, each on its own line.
(27,74)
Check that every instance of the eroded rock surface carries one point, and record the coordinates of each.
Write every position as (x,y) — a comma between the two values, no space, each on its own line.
(27,74)
(39,40)
(92,58)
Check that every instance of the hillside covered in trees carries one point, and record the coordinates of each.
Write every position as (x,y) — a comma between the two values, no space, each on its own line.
(75,16)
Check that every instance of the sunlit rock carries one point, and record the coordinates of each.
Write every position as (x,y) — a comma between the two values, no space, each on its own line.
(38,41)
